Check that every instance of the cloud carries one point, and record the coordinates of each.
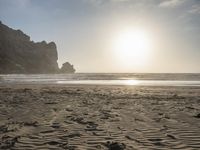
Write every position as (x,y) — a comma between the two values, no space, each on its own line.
(21,3)
(171,3)
(15,3)
(195,9)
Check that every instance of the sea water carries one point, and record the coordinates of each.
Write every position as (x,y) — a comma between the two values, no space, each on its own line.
(128,79)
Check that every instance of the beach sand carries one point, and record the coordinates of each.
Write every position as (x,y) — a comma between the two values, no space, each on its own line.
(80,117)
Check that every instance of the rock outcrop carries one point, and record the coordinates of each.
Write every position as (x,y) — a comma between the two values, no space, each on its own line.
(20,55)
(67,68)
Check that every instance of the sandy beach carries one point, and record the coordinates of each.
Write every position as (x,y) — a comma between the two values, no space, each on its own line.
(79,117)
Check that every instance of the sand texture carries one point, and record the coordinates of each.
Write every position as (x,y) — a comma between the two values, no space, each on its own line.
(99,117)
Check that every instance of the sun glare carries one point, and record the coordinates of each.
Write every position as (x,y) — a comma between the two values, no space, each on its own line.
(132,47)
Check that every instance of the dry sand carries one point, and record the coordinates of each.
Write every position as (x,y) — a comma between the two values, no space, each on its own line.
(99,117)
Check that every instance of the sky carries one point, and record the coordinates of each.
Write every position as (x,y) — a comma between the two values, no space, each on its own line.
(86,32)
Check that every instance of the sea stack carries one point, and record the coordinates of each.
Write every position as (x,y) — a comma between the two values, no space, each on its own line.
(67,68)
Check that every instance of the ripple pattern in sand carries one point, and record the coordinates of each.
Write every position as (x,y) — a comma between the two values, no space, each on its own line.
(91,119)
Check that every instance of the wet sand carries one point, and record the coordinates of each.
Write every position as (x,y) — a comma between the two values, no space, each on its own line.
(99,117)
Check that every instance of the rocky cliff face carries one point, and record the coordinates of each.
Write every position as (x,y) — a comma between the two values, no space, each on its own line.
(20,55)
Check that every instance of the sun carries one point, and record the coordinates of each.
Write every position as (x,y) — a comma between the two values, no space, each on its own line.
(132,47)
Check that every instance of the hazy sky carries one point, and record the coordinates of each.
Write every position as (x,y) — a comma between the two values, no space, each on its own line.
(84,31)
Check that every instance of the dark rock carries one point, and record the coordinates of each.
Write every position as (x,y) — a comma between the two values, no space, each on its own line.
(53,143)
(67,68)
(8,142)
(197,116)
(92,127)
(115,146)
(75,134)
(55,125)
(34,124)
(171,136)
(3,128)
(20,55)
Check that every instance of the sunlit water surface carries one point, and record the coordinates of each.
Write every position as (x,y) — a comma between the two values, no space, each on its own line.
(104,79)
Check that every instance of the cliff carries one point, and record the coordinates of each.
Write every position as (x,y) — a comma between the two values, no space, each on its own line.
(20,55)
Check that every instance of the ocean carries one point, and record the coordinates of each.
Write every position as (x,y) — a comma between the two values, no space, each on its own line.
(128,79)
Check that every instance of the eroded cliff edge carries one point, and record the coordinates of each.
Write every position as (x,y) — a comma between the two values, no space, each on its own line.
(18,54)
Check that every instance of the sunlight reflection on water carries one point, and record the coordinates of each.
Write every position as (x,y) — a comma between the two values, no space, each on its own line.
(101,82)
(104,79)
(133,82)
